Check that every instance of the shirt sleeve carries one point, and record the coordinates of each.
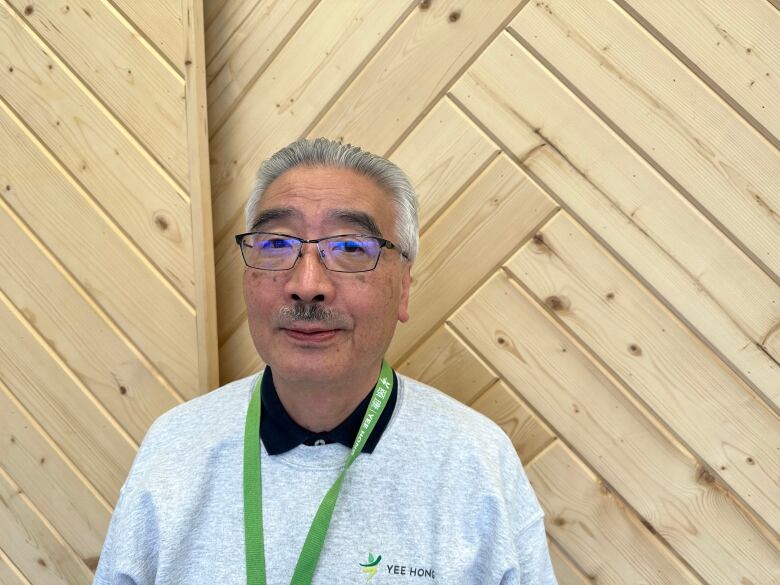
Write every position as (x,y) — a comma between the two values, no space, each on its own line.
(534,564)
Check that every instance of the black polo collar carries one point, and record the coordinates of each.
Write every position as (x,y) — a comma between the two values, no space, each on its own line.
(280,433)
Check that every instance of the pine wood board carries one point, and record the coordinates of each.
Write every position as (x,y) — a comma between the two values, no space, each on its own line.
(725,165)
(98,153)
(587,409)
(50,480)
(290,94)
(161,23)
(104,360)
(9,574)
(501,207)
(222,19)
(84,431)
(142,304)
(37,551)
(682,381)
(620,198)
(528,434)
(246,53)
(736,44)
(566,573)
(231,309)
(411,71)
(446,363)
(237,356)
(121,71)
(441,155)
(602,537)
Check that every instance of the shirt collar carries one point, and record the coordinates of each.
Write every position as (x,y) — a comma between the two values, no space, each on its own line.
(280,433)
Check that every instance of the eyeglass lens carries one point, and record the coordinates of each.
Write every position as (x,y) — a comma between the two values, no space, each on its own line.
(339,253)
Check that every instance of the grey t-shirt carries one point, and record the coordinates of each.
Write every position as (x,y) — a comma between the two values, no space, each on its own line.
(443,498)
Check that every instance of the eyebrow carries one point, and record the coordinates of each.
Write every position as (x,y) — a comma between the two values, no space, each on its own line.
(359,219)
(270,215)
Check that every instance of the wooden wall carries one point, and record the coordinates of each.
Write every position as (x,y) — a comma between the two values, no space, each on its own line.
(107,308)
(599,270)
(600,187)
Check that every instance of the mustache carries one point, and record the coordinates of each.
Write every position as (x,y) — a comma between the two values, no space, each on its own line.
(312,312)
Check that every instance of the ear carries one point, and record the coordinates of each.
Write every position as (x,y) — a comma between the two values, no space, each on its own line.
(403,302)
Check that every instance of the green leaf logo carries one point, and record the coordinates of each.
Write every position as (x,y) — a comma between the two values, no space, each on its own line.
(369,568)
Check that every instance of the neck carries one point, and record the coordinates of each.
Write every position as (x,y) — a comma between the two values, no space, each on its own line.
(322,405)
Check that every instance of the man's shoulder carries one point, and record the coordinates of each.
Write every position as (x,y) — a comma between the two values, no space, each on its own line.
(450,418)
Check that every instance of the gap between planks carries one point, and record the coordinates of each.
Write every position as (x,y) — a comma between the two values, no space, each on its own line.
(91,303)
(756,392)
(123,236)
(697,71)
(633,513)
(599,113)
(102,106)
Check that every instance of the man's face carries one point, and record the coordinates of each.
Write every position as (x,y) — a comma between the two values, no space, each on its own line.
(313,203)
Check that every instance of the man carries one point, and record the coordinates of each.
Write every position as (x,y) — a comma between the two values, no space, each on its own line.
(327,467)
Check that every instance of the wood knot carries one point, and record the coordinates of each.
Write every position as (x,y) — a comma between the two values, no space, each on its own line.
(161,222)
(10,69)
(558,521)
(41,562)
(13,439)
(122,390)
(500,340)
(750,461)
(454,16)
(425,4)
(704,476)
(610,296)
(634,349)
(188,62)
(28,10)
(43,460)
(556,303)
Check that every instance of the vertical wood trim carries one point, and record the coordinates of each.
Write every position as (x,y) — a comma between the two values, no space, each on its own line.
(200,195)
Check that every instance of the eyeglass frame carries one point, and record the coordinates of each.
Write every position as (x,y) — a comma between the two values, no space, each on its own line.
(383,243)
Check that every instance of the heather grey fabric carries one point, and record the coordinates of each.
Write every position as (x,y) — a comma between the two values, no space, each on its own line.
(442,499)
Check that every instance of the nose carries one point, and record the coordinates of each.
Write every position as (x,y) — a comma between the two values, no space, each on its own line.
(309,280)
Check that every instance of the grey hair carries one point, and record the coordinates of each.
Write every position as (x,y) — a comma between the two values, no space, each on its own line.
(322,152)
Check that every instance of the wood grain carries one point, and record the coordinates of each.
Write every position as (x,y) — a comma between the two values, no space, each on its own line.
(689,263)
(686,385)
(682,127)
(662,482)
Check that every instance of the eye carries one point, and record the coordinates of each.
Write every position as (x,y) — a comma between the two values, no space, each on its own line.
(351,247)
(274,244)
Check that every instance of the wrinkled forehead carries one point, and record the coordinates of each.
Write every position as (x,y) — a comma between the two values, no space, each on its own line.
(328,198)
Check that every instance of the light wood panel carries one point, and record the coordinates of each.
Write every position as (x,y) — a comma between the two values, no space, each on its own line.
(657,445)
(107,296)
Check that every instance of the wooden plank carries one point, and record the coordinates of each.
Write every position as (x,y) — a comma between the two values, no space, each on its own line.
(30,543)
(671,371)
(9,574)
(143,305)
(602,537)
(200,197)
(143,92)
(100,155)
(441,155)
(48,390)
(222,20)
(586,408)
(445,362)
(160,21)
(101,356)
(529,435)
(248,51)
(231,309)
(674,117)
(49,479)
(412,70)
(565,572)
(501,201)
(699,272)
(238,357)
(289,95)
(735,44)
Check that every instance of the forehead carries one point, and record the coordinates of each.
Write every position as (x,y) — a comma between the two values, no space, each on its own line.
(312,194)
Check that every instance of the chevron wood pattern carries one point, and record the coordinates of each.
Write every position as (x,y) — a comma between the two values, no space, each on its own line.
(599,271)
(599,185)
(107,306)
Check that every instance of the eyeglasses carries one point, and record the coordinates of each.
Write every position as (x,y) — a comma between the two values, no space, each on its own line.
(343,253)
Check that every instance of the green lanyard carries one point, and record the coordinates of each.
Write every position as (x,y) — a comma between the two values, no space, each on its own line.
(253,506)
